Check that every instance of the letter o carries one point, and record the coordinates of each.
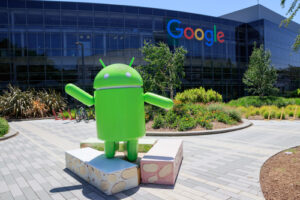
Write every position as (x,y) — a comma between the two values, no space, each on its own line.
(185,33)
(196,34)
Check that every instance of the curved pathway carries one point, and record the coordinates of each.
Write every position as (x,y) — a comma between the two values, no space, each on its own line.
(223,166)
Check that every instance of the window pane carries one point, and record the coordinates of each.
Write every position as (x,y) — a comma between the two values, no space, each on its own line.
(98,41)
(35,18)
(69,19)
(85,6)
(116,21)
(68,6)
(34,4)
(19,18)
(85,20)
(52,18)
(71,40)
(51,5)
(56,40)
(3,18)
(4,41)
(16,3)
(101,19)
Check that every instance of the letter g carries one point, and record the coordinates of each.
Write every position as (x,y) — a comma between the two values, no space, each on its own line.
(177,29)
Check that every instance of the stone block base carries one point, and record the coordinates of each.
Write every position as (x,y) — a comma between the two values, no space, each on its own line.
(162,162)
(109,175)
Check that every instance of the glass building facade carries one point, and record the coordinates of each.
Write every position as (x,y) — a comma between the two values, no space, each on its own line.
(46,44)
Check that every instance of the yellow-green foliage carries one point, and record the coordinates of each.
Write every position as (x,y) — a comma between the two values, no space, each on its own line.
(198,95)
(271,112)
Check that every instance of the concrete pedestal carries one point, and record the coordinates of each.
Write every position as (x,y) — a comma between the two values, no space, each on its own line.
(109,175)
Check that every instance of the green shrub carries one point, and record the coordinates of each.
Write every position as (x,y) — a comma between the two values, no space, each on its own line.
(4,127)
(235,115)
(198,95)
(66,114)
(298,115)
(278,114)
(273,114)
(283,115)
(73,113)
(257,101)
(202,121)
(266,115)
(291,114)
(158,122)
(186,123)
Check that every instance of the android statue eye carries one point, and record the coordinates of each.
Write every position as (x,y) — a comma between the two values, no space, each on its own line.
(106,76)
(128,74)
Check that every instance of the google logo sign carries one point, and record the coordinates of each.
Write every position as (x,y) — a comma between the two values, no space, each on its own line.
(210,36)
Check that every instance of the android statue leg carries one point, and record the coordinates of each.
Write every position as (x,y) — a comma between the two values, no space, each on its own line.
(109,148)
(117,146)
(132,149)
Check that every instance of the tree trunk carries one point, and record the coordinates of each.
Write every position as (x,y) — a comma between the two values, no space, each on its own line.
(171,92)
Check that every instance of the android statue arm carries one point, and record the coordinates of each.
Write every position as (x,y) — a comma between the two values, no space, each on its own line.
(79,94)
(158,100)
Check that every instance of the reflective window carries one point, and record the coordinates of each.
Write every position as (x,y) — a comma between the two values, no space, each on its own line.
(85,19)
(69,19)
(52,18)
(101,7)
(68,6)
(85,6)
(101,19)
(3,3)
(34,4)
(145,23)
(3,18)
(98,41)
(19,18)
(35,18)
(4,40)
(16,4)
(116,21)
(131,21)
(51,5)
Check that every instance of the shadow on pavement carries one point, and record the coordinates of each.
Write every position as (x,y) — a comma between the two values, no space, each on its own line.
(88,190)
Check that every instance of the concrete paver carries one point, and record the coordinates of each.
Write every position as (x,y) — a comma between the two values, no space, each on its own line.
(222,166)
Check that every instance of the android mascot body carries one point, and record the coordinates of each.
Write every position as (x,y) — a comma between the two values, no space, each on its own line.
(119,106)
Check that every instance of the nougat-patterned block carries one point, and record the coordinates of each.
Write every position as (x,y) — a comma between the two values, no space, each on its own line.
(109,175)
(161,164)
(145,144)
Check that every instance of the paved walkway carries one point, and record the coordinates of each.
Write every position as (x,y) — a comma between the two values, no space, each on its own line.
(224,166)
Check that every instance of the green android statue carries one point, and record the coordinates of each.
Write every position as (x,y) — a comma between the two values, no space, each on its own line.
(119,106)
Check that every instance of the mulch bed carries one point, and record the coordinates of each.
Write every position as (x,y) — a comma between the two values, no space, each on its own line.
(216,125)
(280,176)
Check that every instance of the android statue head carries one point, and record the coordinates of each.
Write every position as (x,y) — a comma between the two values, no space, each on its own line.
(117,75)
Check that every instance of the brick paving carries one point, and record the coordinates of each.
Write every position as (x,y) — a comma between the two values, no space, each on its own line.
(222,166)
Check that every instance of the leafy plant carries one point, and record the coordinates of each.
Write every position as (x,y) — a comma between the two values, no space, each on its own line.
(158,122)
(186,123)
(15,103)
(4,127)
(164,68)
(260,76)
(198,95)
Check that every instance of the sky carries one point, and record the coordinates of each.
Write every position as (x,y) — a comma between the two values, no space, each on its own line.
(207,7)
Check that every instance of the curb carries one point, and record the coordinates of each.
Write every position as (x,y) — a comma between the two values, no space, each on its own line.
(10,134)
(28,119)
(245,124)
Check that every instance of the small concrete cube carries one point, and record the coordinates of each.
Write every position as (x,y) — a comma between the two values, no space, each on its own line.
(161,164)
(144,144)
(109,175)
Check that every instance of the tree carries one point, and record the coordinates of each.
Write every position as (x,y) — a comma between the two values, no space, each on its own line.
(164,69)
(261,75)
(294,8)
